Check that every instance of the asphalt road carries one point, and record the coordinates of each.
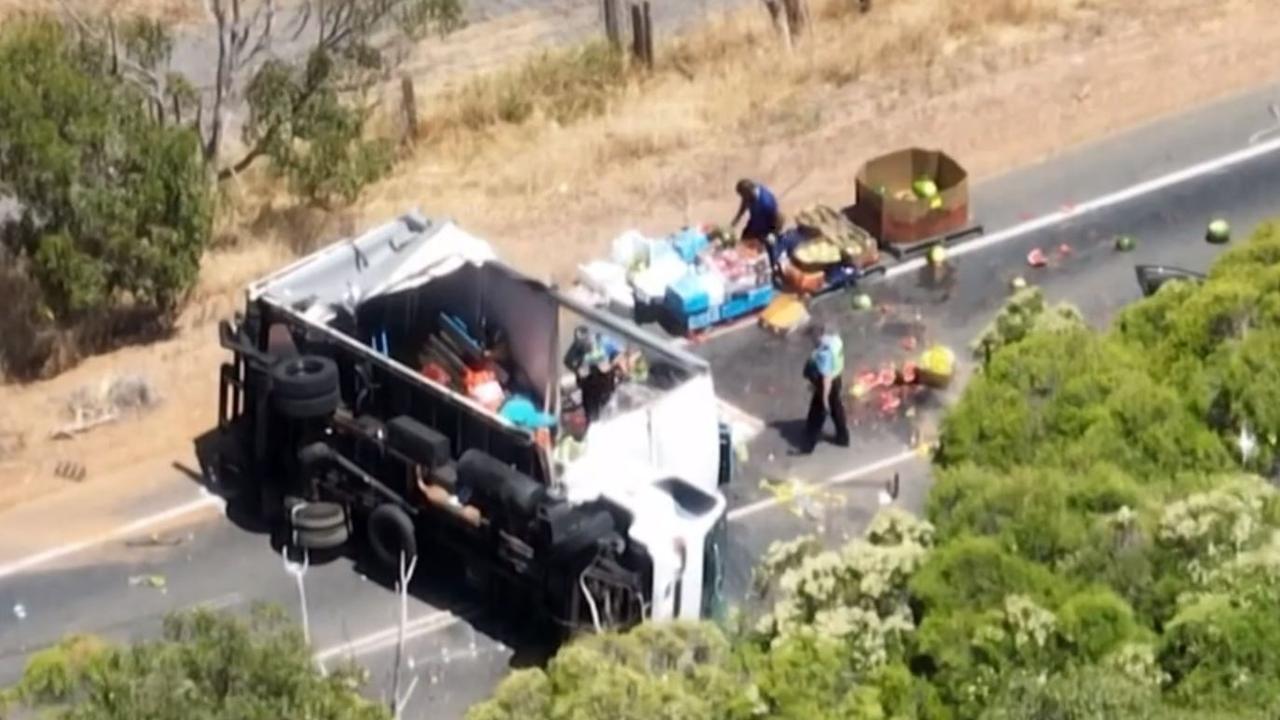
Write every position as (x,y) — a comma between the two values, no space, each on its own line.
(457,663)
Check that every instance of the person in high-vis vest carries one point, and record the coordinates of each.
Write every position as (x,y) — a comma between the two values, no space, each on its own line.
(824,371)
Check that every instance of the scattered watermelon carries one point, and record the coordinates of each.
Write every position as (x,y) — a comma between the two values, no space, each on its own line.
(1219,232)
(1036,258)
(937,255)
(1125,243)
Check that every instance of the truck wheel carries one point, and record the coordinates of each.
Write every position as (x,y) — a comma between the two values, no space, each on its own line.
(305,377)
(326,539)
(391,533)
(318,516)
(312,408)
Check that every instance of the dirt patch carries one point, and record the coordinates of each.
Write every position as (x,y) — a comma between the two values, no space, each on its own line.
(668,151)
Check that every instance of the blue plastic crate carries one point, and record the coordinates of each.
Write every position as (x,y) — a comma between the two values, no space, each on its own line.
(686,296)
(689,242)
(748,302)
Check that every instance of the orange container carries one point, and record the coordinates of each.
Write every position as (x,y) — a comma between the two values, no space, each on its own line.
(803,282)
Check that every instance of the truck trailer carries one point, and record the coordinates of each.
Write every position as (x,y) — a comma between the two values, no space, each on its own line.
(363,410)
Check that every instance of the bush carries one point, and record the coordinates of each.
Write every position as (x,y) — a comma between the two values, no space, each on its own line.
(314,139)
(116,207)
(207,665)
(1096,622)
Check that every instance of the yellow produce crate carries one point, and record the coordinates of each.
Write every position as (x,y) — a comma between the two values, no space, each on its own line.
(784,314)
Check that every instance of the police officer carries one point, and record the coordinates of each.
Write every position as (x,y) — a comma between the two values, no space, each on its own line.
(823,371)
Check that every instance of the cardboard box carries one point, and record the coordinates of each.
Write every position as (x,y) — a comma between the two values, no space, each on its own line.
(896,221)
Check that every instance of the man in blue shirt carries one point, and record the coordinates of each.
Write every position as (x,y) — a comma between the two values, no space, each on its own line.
(823,371)
(764,218)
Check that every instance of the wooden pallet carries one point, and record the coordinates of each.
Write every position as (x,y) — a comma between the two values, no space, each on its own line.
(906,250)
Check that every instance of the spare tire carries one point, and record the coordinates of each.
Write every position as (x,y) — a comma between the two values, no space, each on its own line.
(304,378)
(311,408)
(391,532)
(318,516)
(326,539)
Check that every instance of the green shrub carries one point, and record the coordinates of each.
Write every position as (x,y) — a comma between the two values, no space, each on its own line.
(117,206)
(1096,621)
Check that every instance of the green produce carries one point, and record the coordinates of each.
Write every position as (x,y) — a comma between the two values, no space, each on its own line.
(818,252)
(1219,232)
(925,188)
(937,255)
(1124,243)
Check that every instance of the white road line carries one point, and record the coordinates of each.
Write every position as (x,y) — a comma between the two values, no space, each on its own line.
(388,637)
(205,502)
(1146,187)
(846,477)
(222,602)
(745,425)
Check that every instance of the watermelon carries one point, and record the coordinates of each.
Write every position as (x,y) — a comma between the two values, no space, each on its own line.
(1219,232)
(1124,243)
(925,188)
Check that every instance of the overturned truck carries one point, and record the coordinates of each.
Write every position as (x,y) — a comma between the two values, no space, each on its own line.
(368,406)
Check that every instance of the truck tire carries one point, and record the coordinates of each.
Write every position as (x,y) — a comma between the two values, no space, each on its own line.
(326,539)
(391,532)
(318,516)
(304,378)
(312,408)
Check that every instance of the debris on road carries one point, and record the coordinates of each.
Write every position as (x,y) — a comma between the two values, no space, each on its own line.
(90,406)
(862,301)
(1018,283)
(1124,243)
(1219,232)
(1036,258)
(937,255)
(936,367)
(803,499)
(20,611)
(70,470)
(157,540)
(157,582)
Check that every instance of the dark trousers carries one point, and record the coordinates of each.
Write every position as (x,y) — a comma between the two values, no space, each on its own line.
(597,390)
(818,415)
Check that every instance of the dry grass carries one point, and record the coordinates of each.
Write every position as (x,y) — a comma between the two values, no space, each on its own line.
(548,132)
(178,12)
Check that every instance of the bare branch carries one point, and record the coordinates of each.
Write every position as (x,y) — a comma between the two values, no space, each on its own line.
(304,11)
(263,42)
(143,78)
